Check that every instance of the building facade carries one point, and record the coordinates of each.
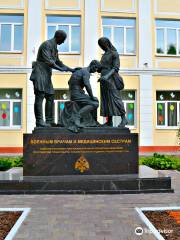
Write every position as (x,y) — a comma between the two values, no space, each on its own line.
(146,35)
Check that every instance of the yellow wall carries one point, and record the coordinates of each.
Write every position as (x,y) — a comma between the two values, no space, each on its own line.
(119,5)
(168,64)
(71,60)
(165,137)
(128,62)
(14,138)
(11,59)
(60,80)
(167,6)
(11,3)
(63,4)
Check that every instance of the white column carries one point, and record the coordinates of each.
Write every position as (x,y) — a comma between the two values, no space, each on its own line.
(146,114)
(145,34)
(34,39)
(91,31)
(145,60)
(91,37)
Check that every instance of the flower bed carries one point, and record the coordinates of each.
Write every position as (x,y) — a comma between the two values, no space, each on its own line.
(11,220)
(7,221)
(166,222)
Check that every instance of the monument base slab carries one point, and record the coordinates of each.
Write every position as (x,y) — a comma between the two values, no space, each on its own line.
(87,185)
(93,161)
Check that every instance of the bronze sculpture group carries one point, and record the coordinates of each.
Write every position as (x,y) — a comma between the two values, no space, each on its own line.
(81,110)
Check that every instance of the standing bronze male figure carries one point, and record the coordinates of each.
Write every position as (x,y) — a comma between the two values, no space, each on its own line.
(47,59)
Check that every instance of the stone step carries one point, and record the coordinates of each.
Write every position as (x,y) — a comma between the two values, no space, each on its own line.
(15,173)
(86,185)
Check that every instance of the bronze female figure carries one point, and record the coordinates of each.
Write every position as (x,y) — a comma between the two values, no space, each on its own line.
(111,84)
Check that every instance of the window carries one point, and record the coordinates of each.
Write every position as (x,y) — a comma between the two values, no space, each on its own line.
(10,108)
(11,33)
(61,96)
(122,34)
(69,24)
(167,37)
(168,109)
(129,100)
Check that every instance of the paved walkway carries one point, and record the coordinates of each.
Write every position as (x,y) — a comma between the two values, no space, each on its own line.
(87,217)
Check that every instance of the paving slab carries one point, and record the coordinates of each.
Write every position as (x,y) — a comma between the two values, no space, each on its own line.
(87,217)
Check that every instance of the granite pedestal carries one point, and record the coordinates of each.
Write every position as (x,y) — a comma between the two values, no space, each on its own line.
(92,151)
(94,161)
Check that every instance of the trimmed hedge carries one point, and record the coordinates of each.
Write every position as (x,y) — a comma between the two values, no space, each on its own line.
(9,162)
(158,161)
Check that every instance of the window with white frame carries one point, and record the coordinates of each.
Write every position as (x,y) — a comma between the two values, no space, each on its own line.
(168,109)
(122,33)
(10,108)
(129,100)
(61,96)
(167,37)
(11,33)
(69,24)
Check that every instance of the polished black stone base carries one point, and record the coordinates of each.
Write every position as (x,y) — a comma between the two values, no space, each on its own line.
(92,151)
(87,185)
(93,161)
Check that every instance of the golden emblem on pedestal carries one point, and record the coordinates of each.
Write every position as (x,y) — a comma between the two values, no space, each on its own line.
(82,164)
